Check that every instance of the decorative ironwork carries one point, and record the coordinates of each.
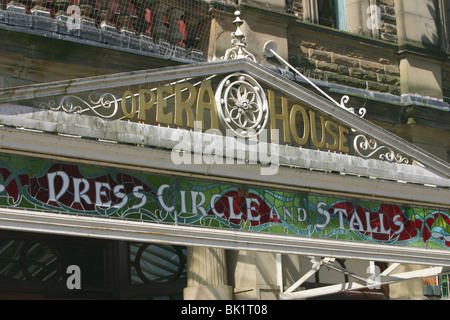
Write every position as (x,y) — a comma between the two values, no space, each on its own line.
(41,262)
(158,263)
(368,148)
(239,51)
(34,260)
(242,105)
(74,104)
(270,48)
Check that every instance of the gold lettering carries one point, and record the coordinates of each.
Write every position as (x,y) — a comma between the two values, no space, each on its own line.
(185,105)
(334,136)
(343,139)
(161,104)
(328,125)
(127,114)
(205,88)
(303,140)
(143,105)
(316,143)
(284,116)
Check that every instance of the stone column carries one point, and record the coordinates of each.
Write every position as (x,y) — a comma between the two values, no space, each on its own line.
(253,275)
(207,275)
(407,290)
(417,27)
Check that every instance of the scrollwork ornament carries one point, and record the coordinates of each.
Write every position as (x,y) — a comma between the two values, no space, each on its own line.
(74,104)
(238,53)
(368,148)
(344,100)
(49,105)
(105,101)
(362,112)
(270,48)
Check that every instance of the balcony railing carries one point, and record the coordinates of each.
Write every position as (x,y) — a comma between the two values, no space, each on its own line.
(169,28)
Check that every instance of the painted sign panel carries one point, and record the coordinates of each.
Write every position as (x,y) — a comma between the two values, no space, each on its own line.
(104,192)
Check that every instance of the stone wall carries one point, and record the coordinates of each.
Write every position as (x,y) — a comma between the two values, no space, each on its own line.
(388,25)
(446,82)
(27,59)
(344,59)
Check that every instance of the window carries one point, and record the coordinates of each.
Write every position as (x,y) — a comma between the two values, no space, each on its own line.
(35,266)
(330,13)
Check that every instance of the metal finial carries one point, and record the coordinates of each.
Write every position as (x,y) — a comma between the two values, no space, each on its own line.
(239,51)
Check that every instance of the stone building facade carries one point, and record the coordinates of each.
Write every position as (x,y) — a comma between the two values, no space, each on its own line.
(389,57)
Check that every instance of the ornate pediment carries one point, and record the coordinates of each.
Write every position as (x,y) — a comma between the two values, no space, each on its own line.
(164,122)
(230,99)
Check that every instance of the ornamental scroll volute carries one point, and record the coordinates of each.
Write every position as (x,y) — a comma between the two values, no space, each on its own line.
(370,148)
(104,105)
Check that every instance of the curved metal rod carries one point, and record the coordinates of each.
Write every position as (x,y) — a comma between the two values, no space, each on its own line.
(270,48)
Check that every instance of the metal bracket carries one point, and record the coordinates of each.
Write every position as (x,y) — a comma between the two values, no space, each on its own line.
(358,281)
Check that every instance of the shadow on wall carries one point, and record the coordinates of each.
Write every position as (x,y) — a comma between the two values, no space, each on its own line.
(430,37)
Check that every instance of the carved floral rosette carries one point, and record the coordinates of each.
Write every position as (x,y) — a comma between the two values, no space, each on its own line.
(242,105)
